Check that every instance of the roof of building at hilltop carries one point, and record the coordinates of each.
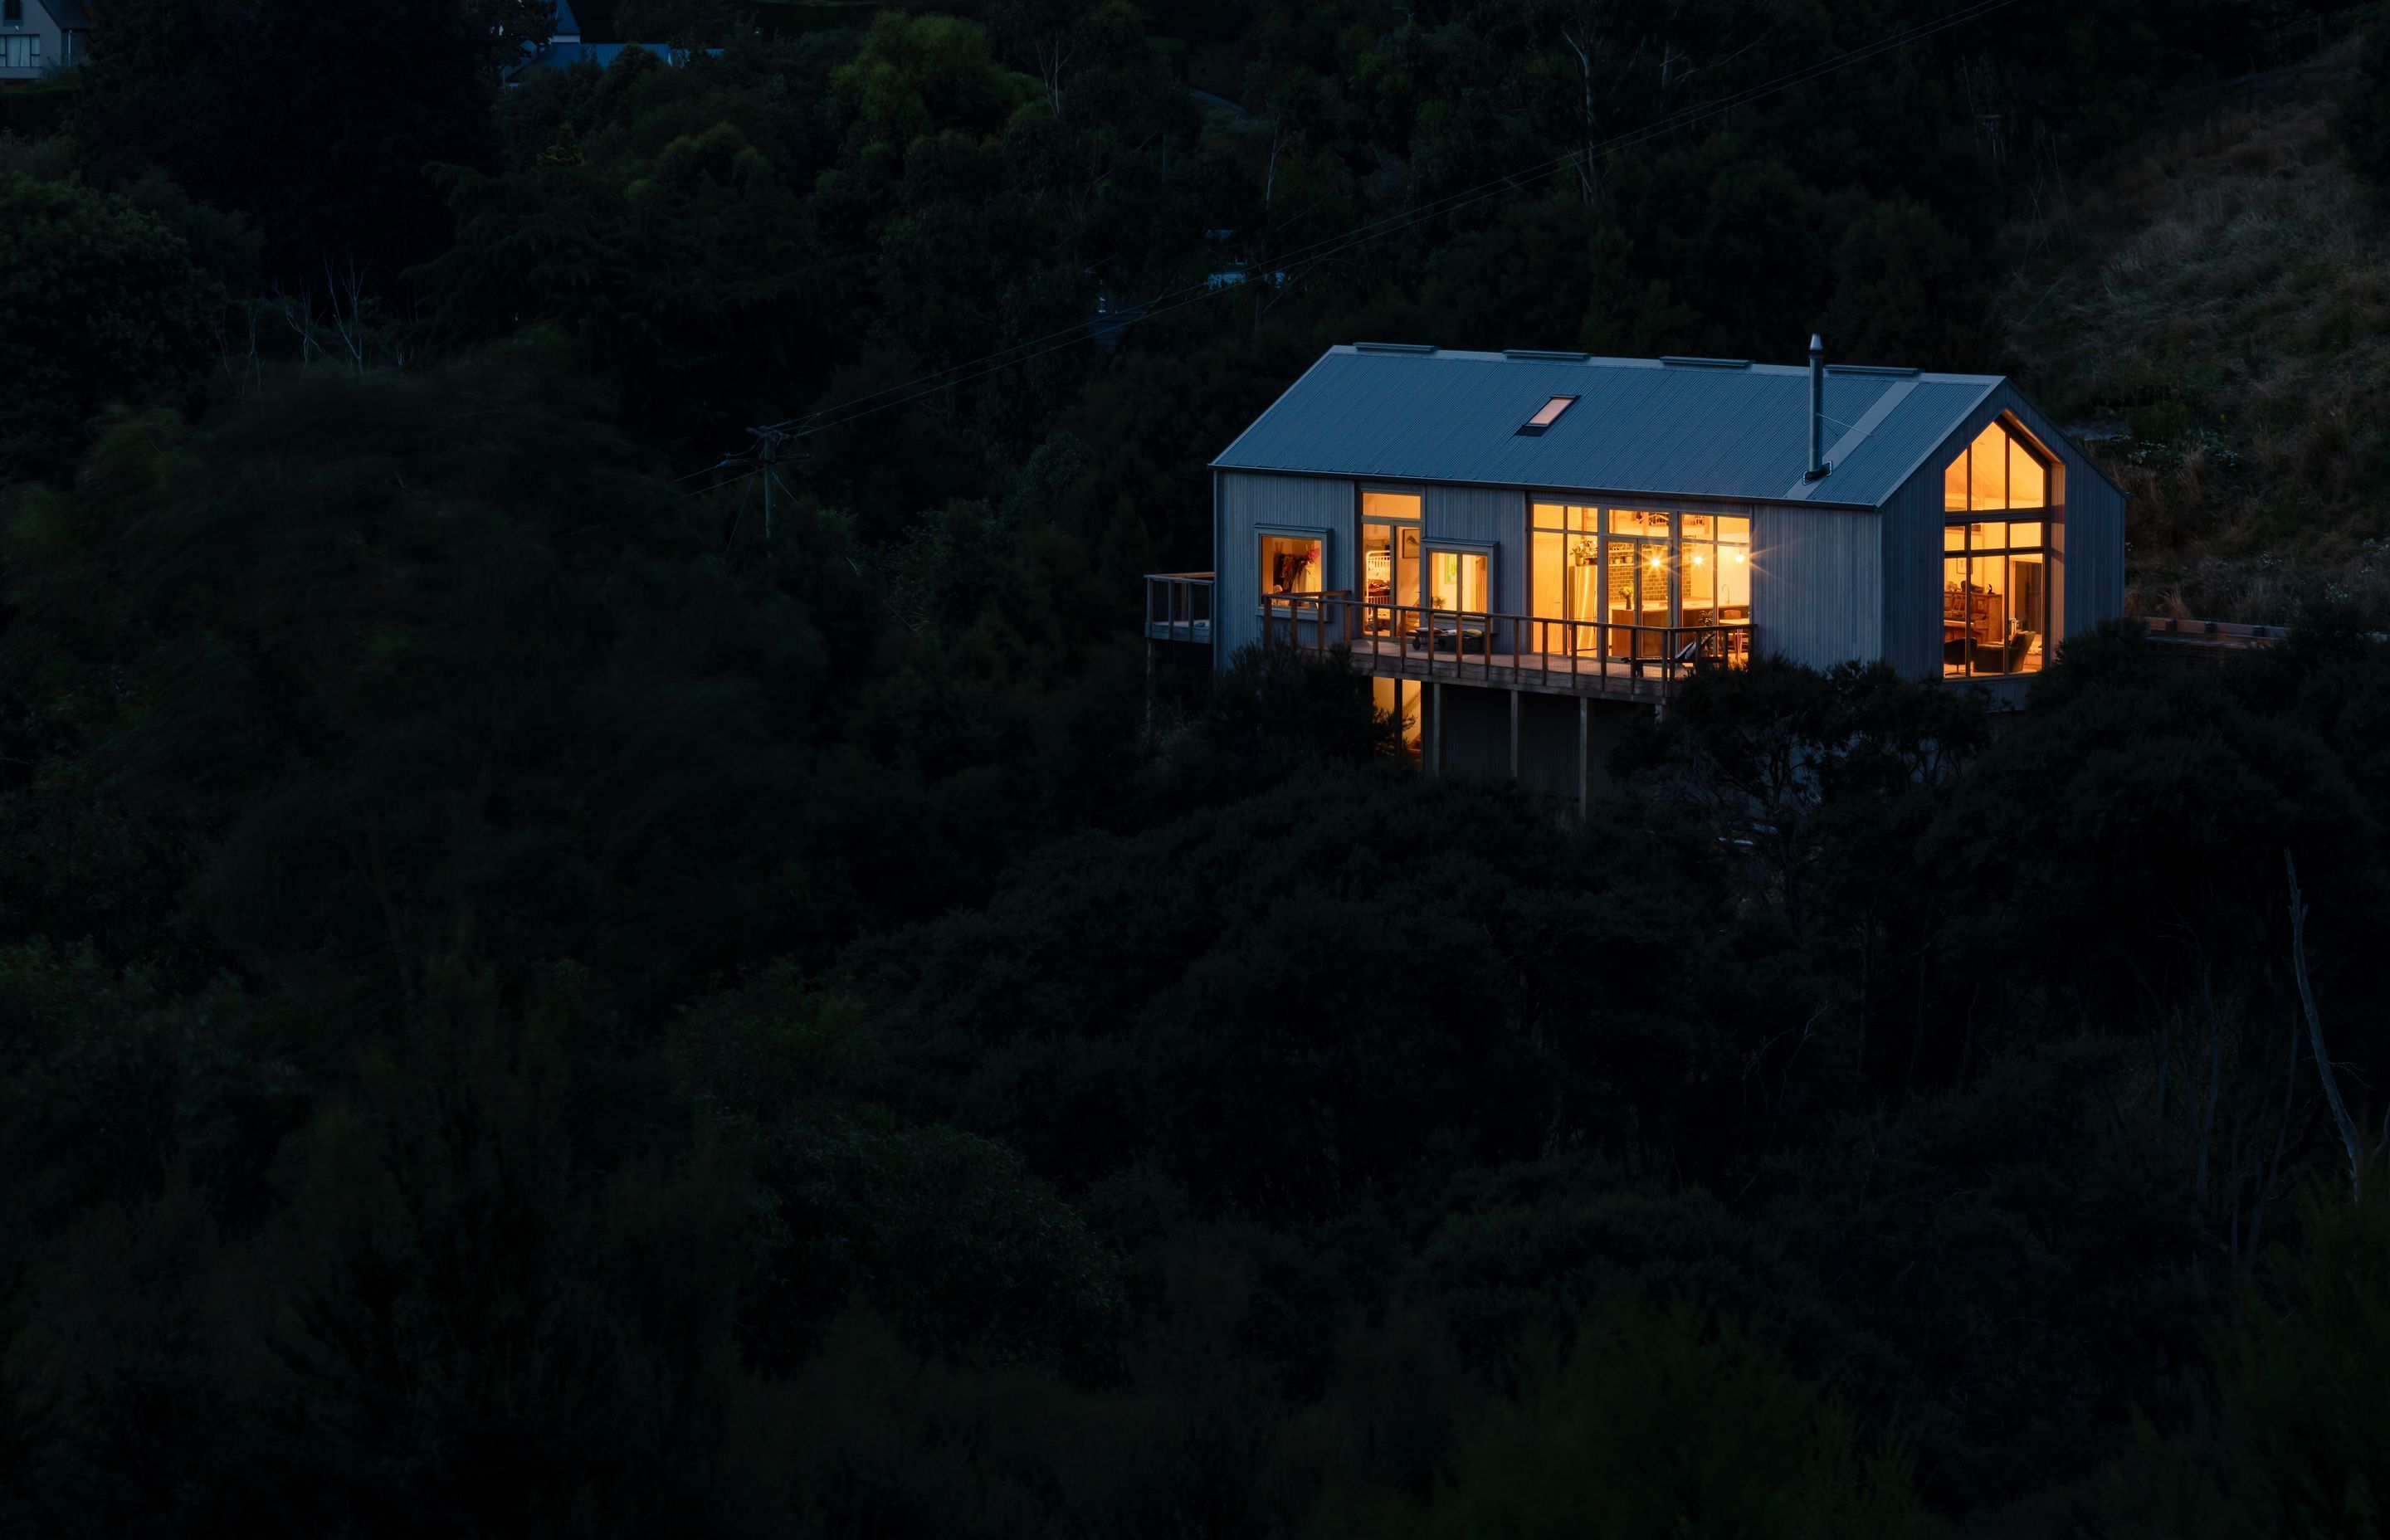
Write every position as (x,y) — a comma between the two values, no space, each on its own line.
(1714,428)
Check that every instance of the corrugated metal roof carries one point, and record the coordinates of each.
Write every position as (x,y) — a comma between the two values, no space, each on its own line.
(1715,430)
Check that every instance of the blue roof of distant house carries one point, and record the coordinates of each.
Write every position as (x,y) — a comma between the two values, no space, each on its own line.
(567,24)
(564,56)
(1686,428)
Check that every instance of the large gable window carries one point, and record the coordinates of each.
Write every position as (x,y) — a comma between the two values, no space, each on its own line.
(1995,571)
(1996,474)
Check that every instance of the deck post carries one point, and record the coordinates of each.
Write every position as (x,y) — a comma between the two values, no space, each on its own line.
(1514,736)
(1435,736)
(1584,757)
(1148,686)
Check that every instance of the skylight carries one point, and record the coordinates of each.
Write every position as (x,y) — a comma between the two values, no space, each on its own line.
(1549,414)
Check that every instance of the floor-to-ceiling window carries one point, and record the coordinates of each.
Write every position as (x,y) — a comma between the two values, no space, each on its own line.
(1639,570)
(1995,558)
(1564,569)
(1714,569)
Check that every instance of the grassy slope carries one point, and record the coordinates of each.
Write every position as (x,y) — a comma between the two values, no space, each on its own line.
(2223,295)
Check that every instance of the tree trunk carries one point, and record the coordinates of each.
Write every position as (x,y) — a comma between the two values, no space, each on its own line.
(2351,1138)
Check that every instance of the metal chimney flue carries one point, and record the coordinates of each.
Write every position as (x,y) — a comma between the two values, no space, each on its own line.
(1817,408)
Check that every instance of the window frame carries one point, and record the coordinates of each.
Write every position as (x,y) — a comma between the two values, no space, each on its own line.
(1431,547)
(1558,406)
(2006,553)
(2020,441)
(1318,533)
(2046,515)
(1591,520)
(1395,523)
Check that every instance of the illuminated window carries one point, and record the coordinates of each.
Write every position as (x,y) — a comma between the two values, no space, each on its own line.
(1545,415)
(1457,580)
(1564,572)
(1290,564)
(1389,560)
(1399,698)
(1390,576)
(1714,570)
(1995,598)
(1997,471)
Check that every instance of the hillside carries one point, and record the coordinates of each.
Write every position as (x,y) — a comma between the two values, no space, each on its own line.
(2218,300)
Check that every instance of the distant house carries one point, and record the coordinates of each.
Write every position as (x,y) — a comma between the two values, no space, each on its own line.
(565,49)
(1522,548)
(39,35)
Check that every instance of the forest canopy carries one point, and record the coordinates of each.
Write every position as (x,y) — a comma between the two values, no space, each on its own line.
(556,978)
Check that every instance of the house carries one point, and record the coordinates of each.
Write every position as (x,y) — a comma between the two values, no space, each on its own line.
(1521,549)
(39,36)
(565,49)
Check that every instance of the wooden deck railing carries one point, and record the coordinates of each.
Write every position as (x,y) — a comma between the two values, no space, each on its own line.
(1512,651)
(1178,606)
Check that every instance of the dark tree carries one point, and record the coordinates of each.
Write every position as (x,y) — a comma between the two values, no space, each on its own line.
(314,120)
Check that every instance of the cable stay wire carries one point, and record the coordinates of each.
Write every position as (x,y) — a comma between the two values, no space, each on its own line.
(1327,247)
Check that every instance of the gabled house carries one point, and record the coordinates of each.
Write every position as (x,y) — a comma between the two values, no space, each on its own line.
(39,36)
(565,48)
(1519,547)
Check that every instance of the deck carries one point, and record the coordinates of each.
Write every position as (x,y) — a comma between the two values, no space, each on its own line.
(1178,606)
(1482,648)
(1588,673)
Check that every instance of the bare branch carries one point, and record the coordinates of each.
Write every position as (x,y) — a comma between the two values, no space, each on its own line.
(2351,1137)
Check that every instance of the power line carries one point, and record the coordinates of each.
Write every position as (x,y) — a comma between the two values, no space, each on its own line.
(1320,251)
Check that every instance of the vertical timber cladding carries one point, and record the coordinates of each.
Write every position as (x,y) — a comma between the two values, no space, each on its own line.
(1817,583)
(1247,502)
(1912,571)
(1485,516)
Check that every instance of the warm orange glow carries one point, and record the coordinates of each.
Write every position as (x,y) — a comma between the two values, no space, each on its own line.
(1995,600)
(1457,580)
(1988,468)
(1291,564)
(1997,471)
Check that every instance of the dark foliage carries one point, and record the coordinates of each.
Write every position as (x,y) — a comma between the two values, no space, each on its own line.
(542,993)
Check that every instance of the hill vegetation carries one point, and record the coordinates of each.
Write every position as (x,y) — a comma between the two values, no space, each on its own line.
(2217,297)
(533,1002)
